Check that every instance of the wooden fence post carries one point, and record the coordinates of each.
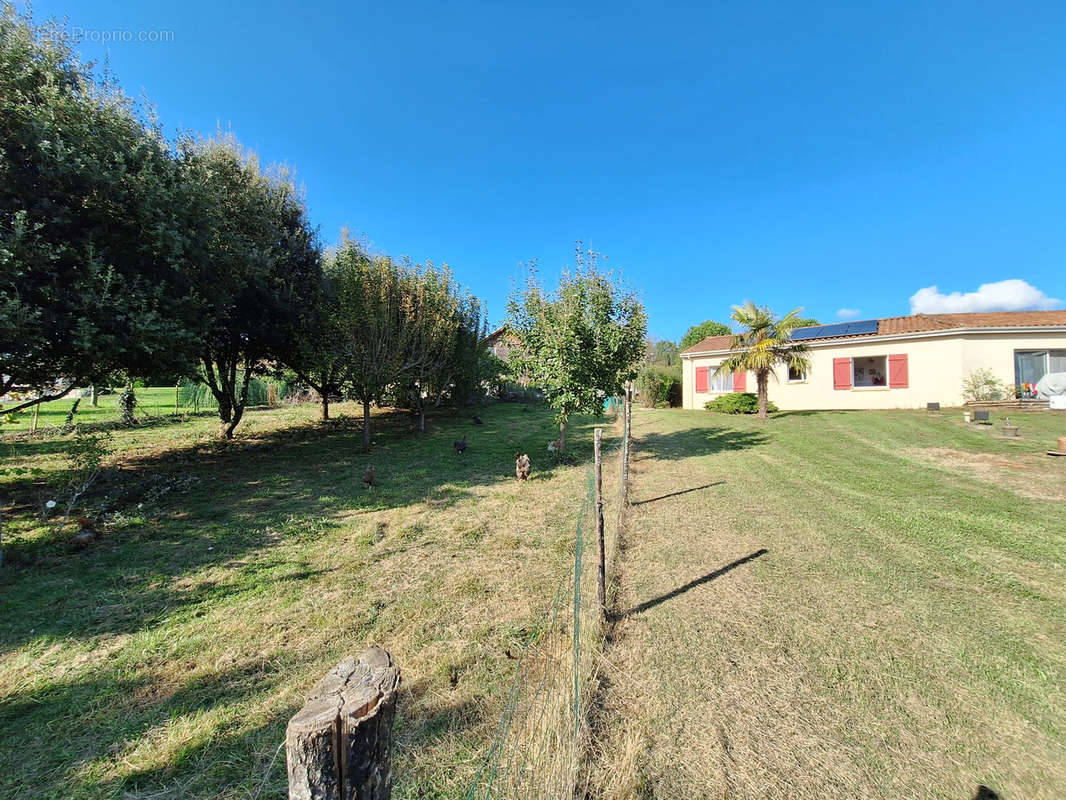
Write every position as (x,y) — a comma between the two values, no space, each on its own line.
(601,578)
(338,745)
(627,418)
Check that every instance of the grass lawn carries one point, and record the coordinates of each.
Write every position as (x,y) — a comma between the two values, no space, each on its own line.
(842,605)
(152,402)
(165,660)
(830,604)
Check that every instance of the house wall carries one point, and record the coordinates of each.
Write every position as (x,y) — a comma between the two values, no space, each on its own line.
(936,367)
(997,352)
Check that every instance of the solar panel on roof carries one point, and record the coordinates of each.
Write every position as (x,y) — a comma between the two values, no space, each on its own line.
(836,329)
(862,326)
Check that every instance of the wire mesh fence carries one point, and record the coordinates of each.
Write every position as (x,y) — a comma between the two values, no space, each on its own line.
(543,733)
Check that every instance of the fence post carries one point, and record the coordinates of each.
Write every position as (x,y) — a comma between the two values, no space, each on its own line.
(626,423)
(601,577)
(338,745)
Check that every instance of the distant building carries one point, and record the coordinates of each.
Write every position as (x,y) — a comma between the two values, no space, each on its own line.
(898,362)
(501,342)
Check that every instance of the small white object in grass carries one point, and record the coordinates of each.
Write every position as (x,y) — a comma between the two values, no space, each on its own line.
(211,548)
(50,504)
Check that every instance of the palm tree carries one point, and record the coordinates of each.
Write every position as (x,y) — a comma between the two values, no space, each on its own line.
(764,342)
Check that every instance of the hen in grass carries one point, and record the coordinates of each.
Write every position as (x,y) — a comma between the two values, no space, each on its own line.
(460,446)
(368,476)
(522,466)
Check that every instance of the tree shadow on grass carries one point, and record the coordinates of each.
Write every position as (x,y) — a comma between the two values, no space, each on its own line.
(105,716)
(235,499)
(677,493)
(680,590)
(694,442)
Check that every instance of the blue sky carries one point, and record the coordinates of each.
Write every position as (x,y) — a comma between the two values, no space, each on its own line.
(831,156)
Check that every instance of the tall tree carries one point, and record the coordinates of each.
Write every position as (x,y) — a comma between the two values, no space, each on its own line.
(579,343)
(443,326)
(316,352)
(662,352)
(91,242)
(369,291)
(698,333)
(764,341)
(258,267)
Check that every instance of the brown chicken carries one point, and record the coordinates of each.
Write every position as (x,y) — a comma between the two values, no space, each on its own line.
(522,466)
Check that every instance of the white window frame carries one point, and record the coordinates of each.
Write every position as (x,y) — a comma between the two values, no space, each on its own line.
(869,387)
(789,379)
(713,380)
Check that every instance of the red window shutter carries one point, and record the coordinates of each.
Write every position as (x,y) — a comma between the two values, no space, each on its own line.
(701,379)
(740,381)
(841,373)
(897,371)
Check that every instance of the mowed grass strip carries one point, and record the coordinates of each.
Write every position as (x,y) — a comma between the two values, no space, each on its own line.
(165,660)
(839,604)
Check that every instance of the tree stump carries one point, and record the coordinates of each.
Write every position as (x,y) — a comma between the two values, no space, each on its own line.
(338,746)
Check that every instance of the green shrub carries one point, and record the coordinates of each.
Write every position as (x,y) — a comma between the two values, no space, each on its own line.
(659,387)
(983,385)
(127,404)
(197,395)
(737,403)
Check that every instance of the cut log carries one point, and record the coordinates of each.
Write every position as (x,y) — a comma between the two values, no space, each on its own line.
(313,751)
(339,744)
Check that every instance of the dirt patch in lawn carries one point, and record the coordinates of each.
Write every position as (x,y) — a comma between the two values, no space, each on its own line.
(1033,476)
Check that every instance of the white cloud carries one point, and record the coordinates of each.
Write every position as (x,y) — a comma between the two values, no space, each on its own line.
(848,313)
(1009,295)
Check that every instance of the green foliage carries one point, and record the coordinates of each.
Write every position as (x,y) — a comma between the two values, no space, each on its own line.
(806,322)
(91,247)
(257,265)
(367,324)
(983,385)
(664,353)
(580,343)
(697,333)
(658,387)
(127,405)
(764,342)
(737,403)
(70,414)
(196,395)
(443,327)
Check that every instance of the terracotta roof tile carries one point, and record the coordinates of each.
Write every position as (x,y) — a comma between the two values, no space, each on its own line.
(986,319)
(710,343)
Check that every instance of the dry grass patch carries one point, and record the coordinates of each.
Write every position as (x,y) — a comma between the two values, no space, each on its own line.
(1035,476)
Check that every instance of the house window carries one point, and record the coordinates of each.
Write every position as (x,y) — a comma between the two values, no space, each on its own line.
(1032,365)
(869,371)
(796,375)
(722,382)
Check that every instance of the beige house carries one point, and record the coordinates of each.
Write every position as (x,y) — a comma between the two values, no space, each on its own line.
(899,362)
